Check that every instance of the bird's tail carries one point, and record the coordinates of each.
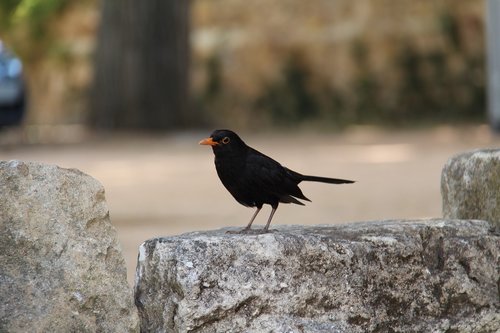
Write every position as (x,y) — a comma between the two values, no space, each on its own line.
(326,180)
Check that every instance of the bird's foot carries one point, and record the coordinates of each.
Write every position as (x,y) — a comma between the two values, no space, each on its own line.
(248,231)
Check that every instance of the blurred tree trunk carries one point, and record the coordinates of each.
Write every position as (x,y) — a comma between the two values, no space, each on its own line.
(141,65)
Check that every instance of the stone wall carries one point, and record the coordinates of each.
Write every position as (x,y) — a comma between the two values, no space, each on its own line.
(470,186)
(380,276)
(62,270)
(61,266)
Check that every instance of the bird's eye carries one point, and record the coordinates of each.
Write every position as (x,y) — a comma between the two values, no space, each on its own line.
(225,140)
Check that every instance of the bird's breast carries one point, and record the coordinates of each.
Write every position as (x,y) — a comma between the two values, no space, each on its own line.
(231,172)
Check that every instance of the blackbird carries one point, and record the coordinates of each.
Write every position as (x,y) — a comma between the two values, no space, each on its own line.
(255,179)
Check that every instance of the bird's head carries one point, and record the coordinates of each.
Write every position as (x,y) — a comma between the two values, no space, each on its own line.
(225,142)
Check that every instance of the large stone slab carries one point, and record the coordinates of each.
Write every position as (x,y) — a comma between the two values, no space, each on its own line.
(470,186)
(387,276)
(61,267)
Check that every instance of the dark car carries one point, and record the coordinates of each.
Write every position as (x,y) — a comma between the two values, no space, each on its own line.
(12,88)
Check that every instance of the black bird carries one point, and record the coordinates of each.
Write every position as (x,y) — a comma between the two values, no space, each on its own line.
(255,179)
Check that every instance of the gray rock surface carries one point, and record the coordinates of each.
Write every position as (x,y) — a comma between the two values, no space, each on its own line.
(470,186)
(387,276)
(61,267)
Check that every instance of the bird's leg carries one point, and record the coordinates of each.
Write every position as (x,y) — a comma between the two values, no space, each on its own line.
(266,228)
(253,218)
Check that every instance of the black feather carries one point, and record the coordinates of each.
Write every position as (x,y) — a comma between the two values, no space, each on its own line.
(327,180)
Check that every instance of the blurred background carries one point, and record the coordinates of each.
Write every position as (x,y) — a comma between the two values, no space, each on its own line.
(379,91)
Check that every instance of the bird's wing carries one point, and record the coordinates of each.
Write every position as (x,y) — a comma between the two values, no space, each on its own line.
(270,176)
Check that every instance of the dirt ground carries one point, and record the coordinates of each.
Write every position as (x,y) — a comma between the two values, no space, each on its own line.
(166,185)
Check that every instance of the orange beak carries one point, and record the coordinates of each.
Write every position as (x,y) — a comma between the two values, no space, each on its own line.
(208,142)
